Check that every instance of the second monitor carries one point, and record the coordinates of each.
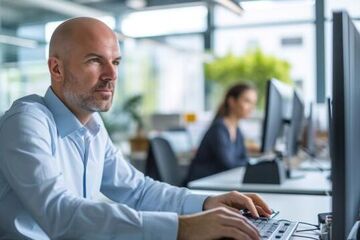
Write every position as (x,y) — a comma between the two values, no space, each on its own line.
(282,124)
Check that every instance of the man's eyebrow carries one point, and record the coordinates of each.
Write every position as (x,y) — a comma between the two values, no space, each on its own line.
(99,56)
(93,55)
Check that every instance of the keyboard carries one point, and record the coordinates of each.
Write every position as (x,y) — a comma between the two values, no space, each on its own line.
(273,229)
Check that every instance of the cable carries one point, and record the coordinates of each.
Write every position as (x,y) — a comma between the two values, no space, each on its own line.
(310,224)
(309,237)
(307,230)
(283,220)
(313,159)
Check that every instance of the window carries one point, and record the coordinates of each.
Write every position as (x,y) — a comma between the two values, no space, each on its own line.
(353,8)
(167,71)
(284,29)
(264,12)
(156,22)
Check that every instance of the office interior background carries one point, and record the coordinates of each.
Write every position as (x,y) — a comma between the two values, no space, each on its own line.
(178,59)
(167,46)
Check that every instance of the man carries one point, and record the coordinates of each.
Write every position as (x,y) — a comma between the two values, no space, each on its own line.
(55,156)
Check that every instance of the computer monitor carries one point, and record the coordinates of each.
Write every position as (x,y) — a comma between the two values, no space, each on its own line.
(296,123)
(346,125)
(310,133)
(330,129)
(277,108)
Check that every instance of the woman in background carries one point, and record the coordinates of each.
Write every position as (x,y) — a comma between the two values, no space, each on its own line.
(222,147)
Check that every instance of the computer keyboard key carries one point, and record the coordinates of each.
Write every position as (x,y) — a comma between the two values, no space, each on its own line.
(271,229)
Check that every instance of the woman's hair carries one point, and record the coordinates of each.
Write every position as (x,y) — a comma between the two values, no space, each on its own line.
(233,92)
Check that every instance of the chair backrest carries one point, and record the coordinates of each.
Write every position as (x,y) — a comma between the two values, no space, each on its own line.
(179,139)
(165,161)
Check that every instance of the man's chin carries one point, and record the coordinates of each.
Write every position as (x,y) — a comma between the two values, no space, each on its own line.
(105,108)
(100,108)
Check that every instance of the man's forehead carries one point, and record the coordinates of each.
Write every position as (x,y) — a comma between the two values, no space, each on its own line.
(100,45)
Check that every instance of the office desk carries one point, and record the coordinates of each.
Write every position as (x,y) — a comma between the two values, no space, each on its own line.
(314,183)
(293,207)
(315,165)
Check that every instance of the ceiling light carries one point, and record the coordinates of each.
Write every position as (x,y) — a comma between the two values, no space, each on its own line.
(135,4)
(16,41)
(231,5)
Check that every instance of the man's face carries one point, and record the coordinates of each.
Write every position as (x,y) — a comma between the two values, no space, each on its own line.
(90,73)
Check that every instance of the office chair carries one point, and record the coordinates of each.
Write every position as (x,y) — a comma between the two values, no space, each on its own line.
(162,163)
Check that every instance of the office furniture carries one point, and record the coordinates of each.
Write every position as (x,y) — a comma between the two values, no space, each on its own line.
(162,122)
(162,163)
(292,207)
(315,165)
(315,183)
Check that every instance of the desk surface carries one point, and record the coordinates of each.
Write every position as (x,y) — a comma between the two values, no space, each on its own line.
(293,207)
(314,183)
(315,164)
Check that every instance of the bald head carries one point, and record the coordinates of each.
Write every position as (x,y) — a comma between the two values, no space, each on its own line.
(74,32)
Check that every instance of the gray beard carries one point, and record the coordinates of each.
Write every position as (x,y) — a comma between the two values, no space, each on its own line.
(81,102)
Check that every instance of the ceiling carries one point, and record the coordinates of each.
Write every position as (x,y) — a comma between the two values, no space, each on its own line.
(14,13)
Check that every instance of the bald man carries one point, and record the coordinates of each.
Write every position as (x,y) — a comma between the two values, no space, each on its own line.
(56,156)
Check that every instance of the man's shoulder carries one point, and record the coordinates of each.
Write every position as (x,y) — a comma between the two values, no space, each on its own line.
(31,105)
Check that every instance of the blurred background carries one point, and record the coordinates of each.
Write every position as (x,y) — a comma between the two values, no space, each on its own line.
(178,59)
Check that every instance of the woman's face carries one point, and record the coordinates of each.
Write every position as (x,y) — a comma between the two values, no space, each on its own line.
(243,106)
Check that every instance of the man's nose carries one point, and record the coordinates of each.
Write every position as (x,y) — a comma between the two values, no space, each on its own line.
(110,72)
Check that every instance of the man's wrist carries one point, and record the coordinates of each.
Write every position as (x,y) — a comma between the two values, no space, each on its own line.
(193,203)
(204,207)
(182,233)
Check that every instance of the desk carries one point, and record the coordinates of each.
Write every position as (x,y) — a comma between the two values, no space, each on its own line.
(315,165)
(314,183)
(293,207)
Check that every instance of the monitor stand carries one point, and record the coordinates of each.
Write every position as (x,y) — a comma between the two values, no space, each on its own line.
(293,175)
(270,171)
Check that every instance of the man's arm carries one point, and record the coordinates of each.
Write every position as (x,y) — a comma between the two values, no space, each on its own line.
(123,183)
(30,169)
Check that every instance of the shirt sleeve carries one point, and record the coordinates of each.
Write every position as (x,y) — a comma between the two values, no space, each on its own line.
(34,176)
(123,183)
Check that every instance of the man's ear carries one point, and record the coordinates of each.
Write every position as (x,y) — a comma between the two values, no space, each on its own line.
(55,68)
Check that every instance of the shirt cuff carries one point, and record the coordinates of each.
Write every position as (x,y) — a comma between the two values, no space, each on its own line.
(194,203)
(160,225)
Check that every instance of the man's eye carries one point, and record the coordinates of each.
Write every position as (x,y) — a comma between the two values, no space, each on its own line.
(116,63)
(94,60)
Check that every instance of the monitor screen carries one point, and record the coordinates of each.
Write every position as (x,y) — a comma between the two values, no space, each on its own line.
(346,125)
(296,123)
(277,109)
(310,133)
(330,129)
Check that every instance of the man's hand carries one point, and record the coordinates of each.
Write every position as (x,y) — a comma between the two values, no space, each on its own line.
(216,223)
(236,201)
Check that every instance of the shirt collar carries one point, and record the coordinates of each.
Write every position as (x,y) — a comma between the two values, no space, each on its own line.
(65,120)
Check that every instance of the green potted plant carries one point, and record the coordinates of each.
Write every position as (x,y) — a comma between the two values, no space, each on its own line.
(254,66)
(126,120)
